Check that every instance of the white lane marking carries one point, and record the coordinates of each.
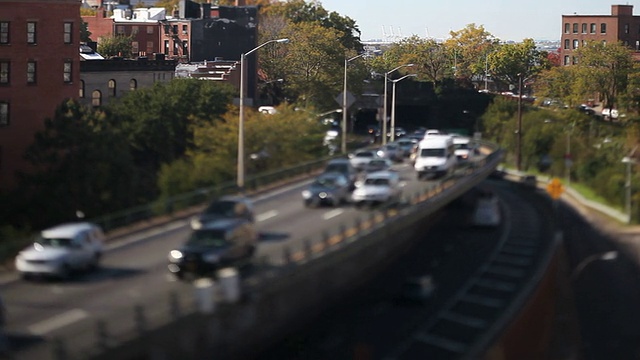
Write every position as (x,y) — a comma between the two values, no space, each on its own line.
(145,235)
(331,214)
(266,215)
(58,321)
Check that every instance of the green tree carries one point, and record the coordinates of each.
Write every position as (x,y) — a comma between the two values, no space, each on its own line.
(117,45)
(313,65)
(469,48)
(511,62)
(604,69)
(82,162)
(559,83)
(85,34)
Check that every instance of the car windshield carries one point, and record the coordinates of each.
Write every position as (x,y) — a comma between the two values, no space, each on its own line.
(377,182)
(54,242)
(208,238)
(364,154)
(326,182)
(432,152)
(336,167)
(224,208)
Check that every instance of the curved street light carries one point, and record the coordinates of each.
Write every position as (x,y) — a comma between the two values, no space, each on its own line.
(606,256)
(384,109)
(393,107)
(241,170)
(343,147)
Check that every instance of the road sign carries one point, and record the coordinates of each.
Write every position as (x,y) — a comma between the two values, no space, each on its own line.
(555,188)
(350,99)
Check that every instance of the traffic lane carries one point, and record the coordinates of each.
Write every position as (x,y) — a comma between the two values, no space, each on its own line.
(607,293)
(374,319)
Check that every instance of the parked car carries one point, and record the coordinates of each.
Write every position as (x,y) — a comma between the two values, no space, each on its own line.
(380,187)
(329,188)
(360,158)
(344,167)
(61,250)
(487,210)
(216,244)
(224,208)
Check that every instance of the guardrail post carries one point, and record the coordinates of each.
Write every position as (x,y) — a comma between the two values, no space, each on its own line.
(325,240)
(59,350)
(286,255)
(102,333)
(139,319)
(308,251)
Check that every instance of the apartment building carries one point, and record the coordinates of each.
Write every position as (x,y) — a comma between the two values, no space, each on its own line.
(577,30)
(39,69)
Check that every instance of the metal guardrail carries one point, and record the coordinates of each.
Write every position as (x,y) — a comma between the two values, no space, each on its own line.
(146,317)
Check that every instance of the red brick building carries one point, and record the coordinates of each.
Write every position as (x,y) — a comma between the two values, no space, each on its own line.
(39,68)
(621,25)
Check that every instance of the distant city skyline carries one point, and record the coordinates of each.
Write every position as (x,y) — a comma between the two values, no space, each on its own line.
(507,20)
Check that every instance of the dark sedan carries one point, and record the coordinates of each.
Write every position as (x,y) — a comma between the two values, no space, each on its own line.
(330,188)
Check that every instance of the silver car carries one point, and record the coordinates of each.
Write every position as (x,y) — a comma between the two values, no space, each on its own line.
(380,187)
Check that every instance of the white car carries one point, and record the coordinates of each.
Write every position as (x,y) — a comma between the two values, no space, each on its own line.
(361,158)
(61,250)
(380,187)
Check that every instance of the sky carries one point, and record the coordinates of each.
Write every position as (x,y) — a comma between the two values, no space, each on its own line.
(505,19)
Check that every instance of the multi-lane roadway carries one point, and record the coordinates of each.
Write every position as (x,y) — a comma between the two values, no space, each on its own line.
(133,288)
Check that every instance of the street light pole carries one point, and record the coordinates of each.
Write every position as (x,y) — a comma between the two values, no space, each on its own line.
(519,135)
(384,108)
(343,147)
(393,106)
(240,165)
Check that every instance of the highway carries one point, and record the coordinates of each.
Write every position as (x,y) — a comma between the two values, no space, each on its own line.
(376,323)
(133,286)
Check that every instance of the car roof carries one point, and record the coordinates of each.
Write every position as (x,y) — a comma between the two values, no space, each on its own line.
(67,230)
(331,174)
(222,223)
(385,174)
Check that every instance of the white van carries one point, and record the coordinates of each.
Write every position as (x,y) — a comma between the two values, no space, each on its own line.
(435,156)
(463,148)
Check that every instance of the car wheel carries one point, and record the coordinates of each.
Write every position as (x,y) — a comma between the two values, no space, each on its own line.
(95,262)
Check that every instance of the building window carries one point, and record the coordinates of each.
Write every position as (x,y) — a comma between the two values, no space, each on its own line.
(133,84)
(566,59)
(135,48)
(574,60)
(5,67)
(112,88)
(174,28)
(592,28)
(120,29)
(184,29)
(149,47)
(134,30)
(31,32)
(575,28)
(626,28)
(68,31)
(584,43)
(626,43)
(31,72)
(176,47)
(149,29)
(603,28)
(566,43)
(4,32)
(584,28)
(81,90)
(4,113)
(66,69)
(96,98)
(185,47)
(166,47)
(567,28)
(576,42)
(637,45)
